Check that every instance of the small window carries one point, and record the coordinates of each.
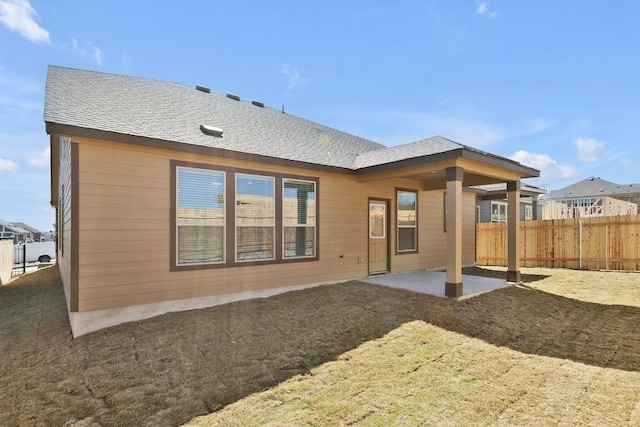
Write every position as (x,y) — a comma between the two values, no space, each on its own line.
(407,202)
(498,212)
(201,216)
(255,217)
(528,212)
(377,220)
(299,218)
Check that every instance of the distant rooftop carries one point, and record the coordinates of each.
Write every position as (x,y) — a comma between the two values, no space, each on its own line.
(594,186)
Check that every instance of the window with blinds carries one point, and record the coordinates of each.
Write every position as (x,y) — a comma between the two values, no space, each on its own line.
(299,218)
(200,216)
(407,221)
(228,217)
(255,217)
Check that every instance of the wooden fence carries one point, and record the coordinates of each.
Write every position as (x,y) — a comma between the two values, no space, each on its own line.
(6,260)
(603,243)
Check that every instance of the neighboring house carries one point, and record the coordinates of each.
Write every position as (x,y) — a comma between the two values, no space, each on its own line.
(591,197)
(36,235)
(170,197)
(491,205)
(12,231)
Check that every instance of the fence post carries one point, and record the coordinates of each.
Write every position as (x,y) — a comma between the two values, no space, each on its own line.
(580,244)
(24,258)
(606,248)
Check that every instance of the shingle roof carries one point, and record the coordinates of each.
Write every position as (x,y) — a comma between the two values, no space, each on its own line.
(14,228)
(25,227)
(593,186)
(425,147)
(174,112)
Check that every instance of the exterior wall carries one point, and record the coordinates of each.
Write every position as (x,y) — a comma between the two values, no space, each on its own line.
(485,209)
(628,197)
(124,230)
(63,218)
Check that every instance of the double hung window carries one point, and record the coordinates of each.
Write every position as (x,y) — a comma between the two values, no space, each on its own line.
(230,217)
(200,216)
(407,216)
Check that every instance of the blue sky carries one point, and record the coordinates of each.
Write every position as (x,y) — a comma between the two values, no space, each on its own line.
(551,84)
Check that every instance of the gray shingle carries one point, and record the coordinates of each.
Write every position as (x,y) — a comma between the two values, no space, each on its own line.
(174,112)
(593,186)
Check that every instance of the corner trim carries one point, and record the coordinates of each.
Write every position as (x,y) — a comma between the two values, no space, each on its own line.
(74,287)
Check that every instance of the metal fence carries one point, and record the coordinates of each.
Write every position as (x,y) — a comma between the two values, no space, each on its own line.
(19,260)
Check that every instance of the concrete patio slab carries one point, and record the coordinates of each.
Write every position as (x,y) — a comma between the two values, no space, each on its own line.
(432,283)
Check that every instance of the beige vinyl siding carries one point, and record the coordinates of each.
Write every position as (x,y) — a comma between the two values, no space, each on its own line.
(63,211)
(124,210)
(468,228)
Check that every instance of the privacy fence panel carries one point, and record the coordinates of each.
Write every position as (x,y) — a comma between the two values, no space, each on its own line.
(6,261)
(609,243)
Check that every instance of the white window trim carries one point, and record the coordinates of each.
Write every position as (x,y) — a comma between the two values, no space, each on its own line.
(500,204)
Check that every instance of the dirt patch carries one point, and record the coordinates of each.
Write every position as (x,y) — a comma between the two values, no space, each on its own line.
(169,369)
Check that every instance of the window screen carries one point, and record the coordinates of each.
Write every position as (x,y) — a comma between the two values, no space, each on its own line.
(299,218)
(255,217)
(200,216)
(407,221)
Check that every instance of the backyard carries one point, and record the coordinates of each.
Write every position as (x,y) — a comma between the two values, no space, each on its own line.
(563,348)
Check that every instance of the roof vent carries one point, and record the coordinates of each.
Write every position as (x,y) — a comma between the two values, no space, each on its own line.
(591,179)
(203,89)
(234,97)
(258,104)
(211,130)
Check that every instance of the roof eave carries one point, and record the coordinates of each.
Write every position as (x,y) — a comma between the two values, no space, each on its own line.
(464,152)
(64,129)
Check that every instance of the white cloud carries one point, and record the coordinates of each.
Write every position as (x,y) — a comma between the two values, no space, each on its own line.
(630,164)
(483,9)
(392,127)
(18,15)
(8,166)
(549,168)
(41,159)
(588,149)
(293,76)
(126,60)
(97,55)
(86,49)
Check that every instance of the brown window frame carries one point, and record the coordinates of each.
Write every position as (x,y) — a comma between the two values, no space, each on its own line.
(417,234)
(230,221)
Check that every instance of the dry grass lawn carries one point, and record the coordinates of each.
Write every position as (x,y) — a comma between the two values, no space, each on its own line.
(563,349)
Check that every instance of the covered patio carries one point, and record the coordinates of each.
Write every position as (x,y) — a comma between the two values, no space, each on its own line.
(454,168)
(430,282)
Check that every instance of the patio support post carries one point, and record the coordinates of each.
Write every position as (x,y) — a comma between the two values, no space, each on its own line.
(513,233)
(453,284)
(534,203)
